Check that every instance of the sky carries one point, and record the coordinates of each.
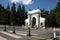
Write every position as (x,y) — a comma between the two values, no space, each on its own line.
(32,4)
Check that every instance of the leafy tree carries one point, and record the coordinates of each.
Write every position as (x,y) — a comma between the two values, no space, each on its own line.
(58,13)
(44,13)
(50,19)
(54,16)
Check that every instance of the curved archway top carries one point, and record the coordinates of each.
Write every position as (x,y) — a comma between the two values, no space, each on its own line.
(37,11)
(34,18)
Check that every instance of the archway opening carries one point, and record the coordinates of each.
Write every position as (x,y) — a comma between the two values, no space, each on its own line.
(27,24)
(41,24)
(33,22)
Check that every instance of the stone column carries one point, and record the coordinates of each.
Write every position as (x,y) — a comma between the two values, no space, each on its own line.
(54,33)
(44,24)
(38,21)
(29,21)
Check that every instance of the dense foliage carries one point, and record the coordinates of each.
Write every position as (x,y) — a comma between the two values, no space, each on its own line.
(9,16)
(53,19)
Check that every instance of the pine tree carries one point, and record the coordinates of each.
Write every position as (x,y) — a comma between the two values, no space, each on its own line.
(19,12)
(13,16)
(1,14)
(7,16)
(13,13)
(24,14)
(8,13)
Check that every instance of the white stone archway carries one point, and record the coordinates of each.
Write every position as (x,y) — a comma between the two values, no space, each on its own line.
(36,14)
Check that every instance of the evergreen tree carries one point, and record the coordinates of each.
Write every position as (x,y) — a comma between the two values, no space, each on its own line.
(1,14)
(19,12)
(8,14)
(24,14)
(0,8)
(13,13)
(13,16)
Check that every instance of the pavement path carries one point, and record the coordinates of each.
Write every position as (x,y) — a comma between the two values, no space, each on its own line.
(2,38)
(17,36)
(21,34)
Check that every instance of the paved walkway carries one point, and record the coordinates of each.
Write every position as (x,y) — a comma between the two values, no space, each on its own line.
(2,38)
(21,34)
